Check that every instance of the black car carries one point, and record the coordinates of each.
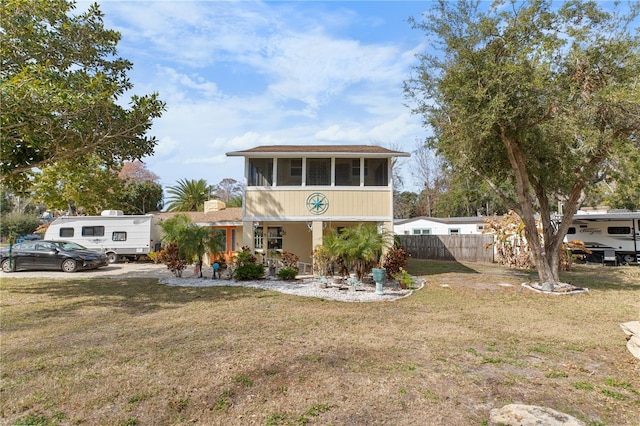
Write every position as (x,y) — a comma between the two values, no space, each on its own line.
(50,255)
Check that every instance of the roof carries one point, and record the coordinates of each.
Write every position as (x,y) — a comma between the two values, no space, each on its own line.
(316,150)
(607,216)
(446,220)
(231,216)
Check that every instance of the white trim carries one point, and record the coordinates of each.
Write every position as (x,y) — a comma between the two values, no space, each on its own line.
(317,188)
(318,218)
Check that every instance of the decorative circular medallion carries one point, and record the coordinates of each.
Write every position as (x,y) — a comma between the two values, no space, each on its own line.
(317,203)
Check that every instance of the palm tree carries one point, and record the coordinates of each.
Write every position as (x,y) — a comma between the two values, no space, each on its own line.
(193,241)
(360,246)
(188,195)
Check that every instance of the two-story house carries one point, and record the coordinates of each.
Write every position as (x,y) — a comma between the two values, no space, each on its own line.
(293,194)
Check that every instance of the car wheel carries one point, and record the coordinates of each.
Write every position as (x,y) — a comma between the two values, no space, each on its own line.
(69,265)
(7,266)
(112,257)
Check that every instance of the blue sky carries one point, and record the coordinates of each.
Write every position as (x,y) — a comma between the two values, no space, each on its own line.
(240,74)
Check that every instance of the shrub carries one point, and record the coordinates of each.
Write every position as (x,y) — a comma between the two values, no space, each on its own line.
(404,279)
(287,273)
(395,260)
(170,257)
(249,271)
(322,261)
(290,260)
(245,267)
(245,257)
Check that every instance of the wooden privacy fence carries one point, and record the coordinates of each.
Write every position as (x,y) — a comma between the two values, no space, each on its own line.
(470,248)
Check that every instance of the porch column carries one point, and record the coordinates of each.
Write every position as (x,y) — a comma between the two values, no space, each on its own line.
(316,234)
(247,235)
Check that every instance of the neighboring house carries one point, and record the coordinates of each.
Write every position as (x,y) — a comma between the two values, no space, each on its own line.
(440,225)
(294,194)
(216,215)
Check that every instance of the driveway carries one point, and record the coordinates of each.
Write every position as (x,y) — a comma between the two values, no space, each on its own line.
(115,270)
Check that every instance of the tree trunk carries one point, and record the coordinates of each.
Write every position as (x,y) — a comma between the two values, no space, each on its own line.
(547,263)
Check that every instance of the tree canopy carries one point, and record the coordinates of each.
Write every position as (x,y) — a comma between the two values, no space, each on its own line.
(532,97)
(62,85)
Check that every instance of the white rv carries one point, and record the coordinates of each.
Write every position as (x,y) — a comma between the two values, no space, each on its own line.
(606,234)
(117,235)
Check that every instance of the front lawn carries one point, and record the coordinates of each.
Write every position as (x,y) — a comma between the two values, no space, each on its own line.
(132,352)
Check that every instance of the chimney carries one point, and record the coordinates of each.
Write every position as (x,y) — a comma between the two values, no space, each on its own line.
(214,206)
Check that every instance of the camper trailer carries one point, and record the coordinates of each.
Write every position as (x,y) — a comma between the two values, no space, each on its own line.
(117,235)
(611,237)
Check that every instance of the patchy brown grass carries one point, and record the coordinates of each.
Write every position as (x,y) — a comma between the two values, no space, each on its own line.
(132,352)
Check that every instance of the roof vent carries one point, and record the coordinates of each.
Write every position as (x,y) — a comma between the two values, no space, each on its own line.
(112,213)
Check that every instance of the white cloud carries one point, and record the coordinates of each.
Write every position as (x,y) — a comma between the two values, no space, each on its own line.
(337,133)
(236,75)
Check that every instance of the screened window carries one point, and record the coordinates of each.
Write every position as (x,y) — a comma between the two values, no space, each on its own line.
(66,232)
(571,231)
(119,236)
(345,173)
(376,172)
(619,230)
(318,171)
(289,172)
(93,231)
(260,171)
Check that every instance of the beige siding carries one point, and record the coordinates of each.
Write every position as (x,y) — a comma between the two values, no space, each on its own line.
(298,240)
(357,202)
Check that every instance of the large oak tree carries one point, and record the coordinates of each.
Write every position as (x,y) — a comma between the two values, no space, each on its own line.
(534,95)
(61,83)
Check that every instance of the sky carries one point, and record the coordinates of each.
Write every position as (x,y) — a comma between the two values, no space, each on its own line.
(239,74)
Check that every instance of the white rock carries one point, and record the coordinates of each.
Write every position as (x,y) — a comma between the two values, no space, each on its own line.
(530,415)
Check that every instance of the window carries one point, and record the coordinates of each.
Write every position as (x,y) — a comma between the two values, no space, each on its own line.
(318,171)
(421,231)
(274,238)
(258,238)
(45,247)
(376,172)
(480,228)
(571,231)
(119,236)
(454,231)
(221,236)
(66,232)
(93,231)
(296,167)
(260,171)
(29,245)
(289,172)
(619,230)
(355,168)
(233,239)
(344,172)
